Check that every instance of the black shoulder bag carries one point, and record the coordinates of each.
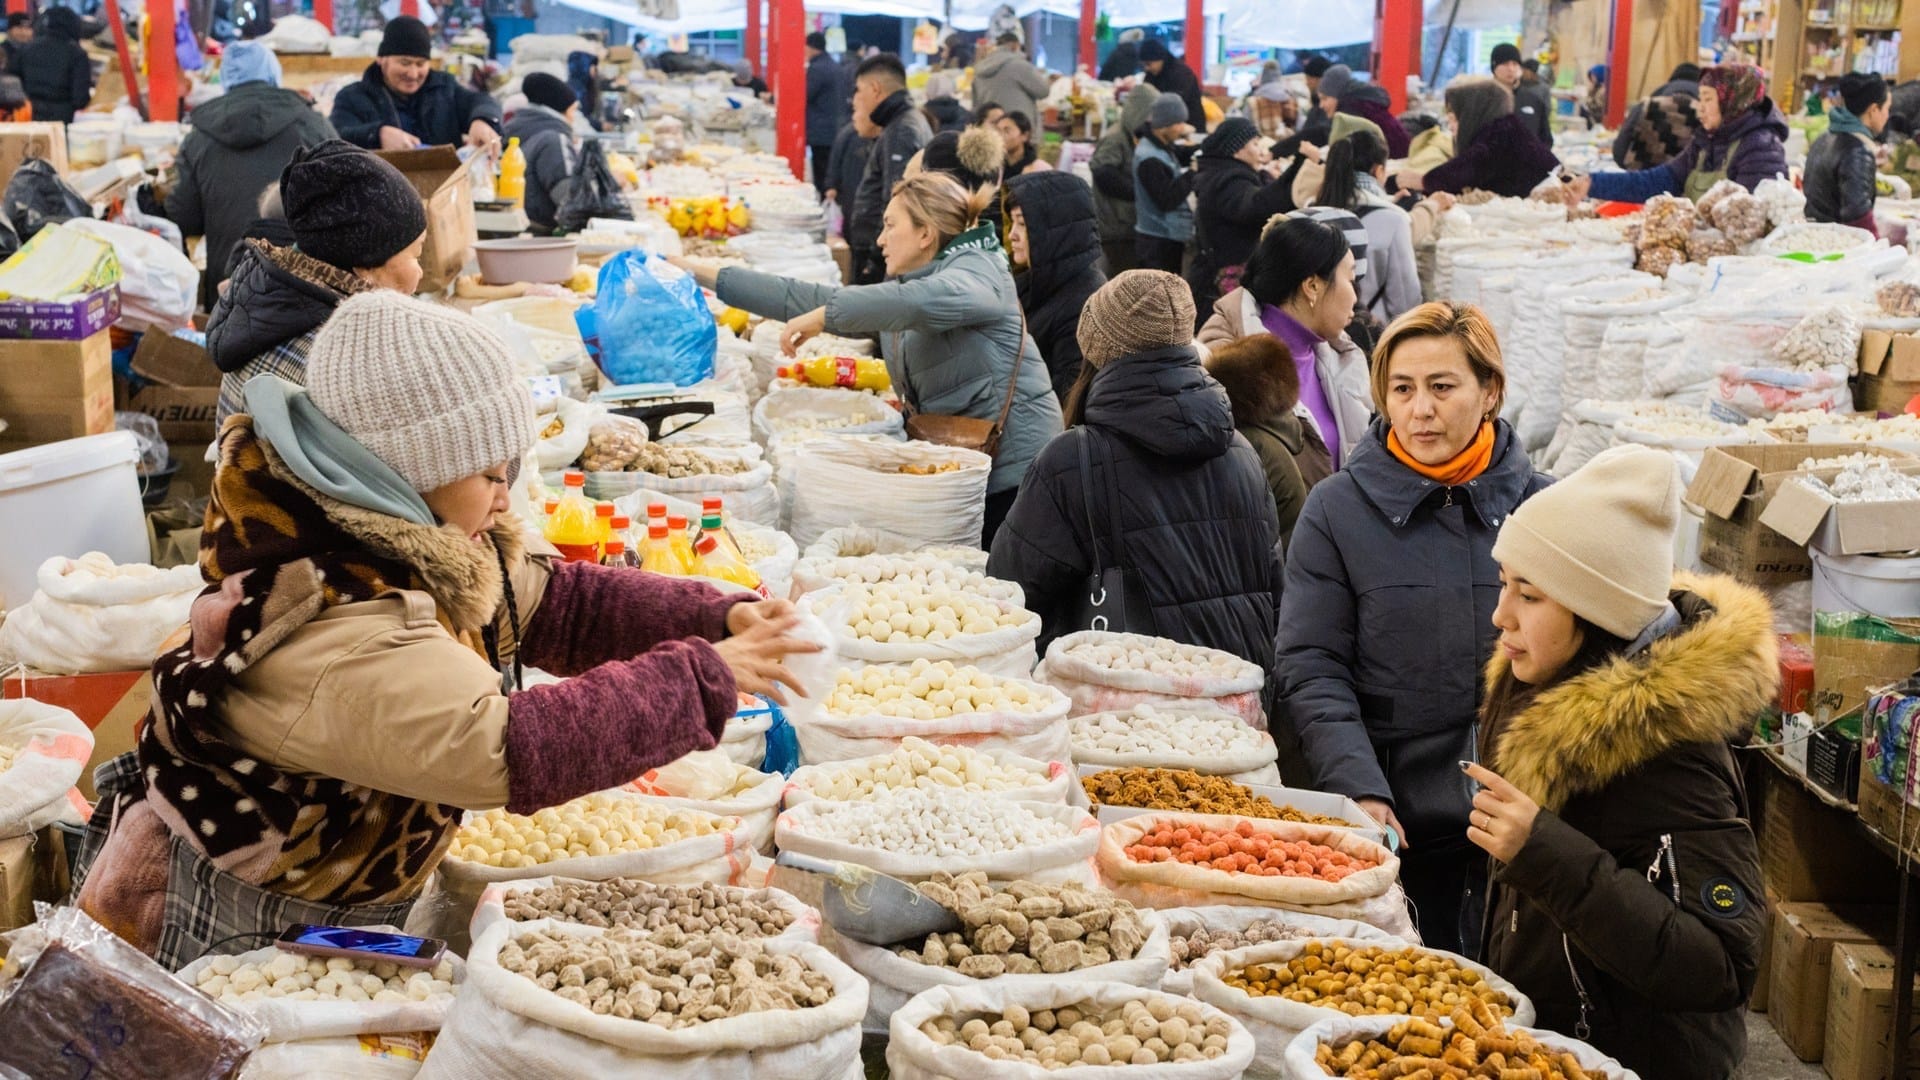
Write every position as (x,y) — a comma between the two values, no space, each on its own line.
(1113,597)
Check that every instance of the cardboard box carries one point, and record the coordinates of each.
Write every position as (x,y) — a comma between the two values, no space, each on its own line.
(54,390)
(1811,517)
(110,703)
(1763,979)
(1883,810)
(67,320)
(32,867)
(1734,485)
(444,184)
(1803,939)
(1854,652)
(1810,851)
(183,387)
(1860,1013)
(1889,371)
(46,140)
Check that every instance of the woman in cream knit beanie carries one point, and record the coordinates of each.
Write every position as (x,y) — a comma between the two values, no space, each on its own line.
(1607,790)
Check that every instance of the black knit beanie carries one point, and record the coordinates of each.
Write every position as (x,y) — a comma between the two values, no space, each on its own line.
(543,89)
(406,36)
(349,208)
(1233,133)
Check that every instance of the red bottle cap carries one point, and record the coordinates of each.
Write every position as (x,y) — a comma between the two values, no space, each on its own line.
(676,522)
(706,545)
(575,479)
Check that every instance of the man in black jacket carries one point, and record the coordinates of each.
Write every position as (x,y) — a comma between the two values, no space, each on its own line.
(880,97)
(401,103)
(19,36)
(1531,101)
(1840,180)
(54,69)
(1170,76)
(826,107)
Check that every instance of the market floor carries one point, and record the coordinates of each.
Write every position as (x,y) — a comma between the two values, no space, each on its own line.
(1767,1057)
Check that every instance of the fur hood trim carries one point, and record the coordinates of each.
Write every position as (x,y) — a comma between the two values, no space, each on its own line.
(462,577)
(1703,682)
(1259,376)
(309,269)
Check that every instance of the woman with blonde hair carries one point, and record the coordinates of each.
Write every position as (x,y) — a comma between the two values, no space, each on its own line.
(1385,616)
(948,319)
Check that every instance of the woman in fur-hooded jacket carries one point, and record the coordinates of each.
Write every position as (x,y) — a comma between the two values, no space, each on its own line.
(1626,897)
(339,695)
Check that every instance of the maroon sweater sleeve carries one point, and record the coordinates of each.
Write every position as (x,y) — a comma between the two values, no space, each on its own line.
(606,727)
(592,614)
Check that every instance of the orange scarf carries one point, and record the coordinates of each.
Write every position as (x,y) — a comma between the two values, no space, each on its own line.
(1462,467)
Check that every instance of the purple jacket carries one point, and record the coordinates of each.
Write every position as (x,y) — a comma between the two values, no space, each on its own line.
(1761,155)
(1505,158)
(1371,107)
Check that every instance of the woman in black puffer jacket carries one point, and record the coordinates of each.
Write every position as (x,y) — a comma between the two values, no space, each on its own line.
(1235,192)
(1056,262)
(1169,474)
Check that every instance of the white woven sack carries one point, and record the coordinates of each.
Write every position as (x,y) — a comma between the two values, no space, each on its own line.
(492,907)
(1275,1021)
(748,496)
(857,481)
(51,747)
(1065,858)
(1054,779)
(1257,759)
(755,808)
(1094,688)
(1182,922)
(1283,891)
(827,736)
(775,570)
(745,738)
(92,615)
(849,412)
(287,1020)
(893,980)
(1587,321)
(1623,353)
(1299,1063)
(565,447)
(913,1056)
(373,1057)
(818,572)
(505,1025)
(1005,650)
(851,540)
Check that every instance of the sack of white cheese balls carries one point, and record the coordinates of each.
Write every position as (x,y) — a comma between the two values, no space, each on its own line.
(1103,671)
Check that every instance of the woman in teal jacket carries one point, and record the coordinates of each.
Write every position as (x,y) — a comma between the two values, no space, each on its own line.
(948,319)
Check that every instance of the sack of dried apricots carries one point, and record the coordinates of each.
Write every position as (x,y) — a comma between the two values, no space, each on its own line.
(1283,863)
(1283,988)
(1565,1058)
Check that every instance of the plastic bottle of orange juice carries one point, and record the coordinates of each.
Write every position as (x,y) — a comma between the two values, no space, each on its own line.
(571,527)
(682,540)
(851,372)
(603,513)
(513,173)
(659,556)
(715,561)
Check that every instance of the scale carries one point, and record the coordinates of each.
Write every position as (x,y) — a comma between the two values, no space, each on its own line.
(654,404)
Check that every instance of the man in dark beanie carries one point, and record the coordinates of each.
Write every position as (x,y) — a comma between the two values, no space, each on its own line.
(1236,187)
(357,225)
(1532,103)
(1171,76)
(544,126)
(402,103)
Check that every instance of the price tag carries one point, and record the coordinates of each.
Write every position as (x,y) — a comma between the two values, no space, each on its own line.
(836,39)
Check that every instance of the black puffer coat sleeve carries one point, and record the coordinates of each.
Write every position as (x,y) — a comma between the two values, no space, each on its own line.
(1042,544)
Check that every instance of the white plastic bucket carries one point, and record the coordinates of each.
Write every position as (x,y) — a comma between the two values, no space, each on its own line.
(1887,586)
(68,498)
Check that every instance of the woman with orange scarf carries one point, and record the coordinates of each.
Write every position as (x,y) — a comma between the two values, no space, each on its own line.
(1389,592)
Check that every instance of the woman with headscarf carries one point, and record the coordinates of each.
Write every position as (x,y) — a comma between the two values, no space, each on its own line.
(1494,150)
(1271,105)
(1742,137)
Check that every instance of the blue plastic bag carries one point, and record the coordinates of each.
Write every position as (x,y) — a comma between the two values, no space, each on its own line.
(653,321)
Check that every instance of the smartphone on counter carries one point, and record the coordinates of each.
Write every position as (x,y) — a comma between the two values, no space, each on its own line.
(366,945)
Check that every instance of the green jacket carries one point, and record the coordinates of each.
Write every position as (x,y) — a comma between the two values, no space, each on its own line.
(948,332)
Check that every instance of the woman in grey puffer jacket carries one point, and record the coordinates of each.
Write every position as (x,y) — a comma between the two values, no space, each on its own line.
(948,320)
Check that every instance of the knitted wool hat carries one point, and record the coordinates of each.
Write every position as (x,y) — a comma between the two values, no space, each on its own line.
(427,388)
(1504,53)
(974,156)
(1314,67)
(349,208)
(1336,81)
(406,36)
(1600,542)
(1154,49)
(1166,111)
(543,89)
(1233,133)
(1139,311)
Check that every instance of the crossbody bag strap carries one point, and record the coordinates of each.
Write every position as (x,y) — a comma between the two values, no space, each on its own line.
(1013,380)
(1112,469)
(1086,495)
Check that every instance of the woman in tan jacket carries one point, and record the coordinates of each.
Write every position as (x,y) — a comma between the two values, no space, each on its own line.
(341,694)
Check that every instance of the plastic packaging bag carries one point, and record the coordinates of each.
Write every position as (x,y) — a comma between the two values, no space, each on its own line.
(158,284)
(50,747)
(90,615)
(37,197)
(756,806)
(654,324)
(77,995)
(561,449)
(592,192)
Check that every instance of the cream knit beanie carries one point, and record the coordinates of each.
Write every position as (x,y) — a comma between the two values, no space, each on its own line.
(1600,542)
(429,389)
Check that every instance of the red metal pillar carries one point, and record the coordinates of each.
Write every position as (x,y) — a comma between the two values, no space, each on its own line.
(163,67)
(772,33)
(790,91)
(1089,54)
(323,13)
(17,5)
(410,7)
(1396,47)
(1197,48)
(1620,55)
(753,34)
(128,74)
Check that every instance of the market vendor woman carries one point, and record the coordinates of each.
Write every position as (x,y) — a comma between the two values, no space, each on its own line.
(1741,137)
(339,696)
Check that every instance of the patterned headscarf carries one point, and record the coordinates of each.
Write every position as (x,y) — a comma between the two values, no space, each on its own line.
(1739,87)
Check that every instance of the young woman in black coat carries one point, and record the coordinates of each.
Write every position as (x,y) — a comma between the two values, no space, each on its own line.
(1237,187)
(1056,261)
